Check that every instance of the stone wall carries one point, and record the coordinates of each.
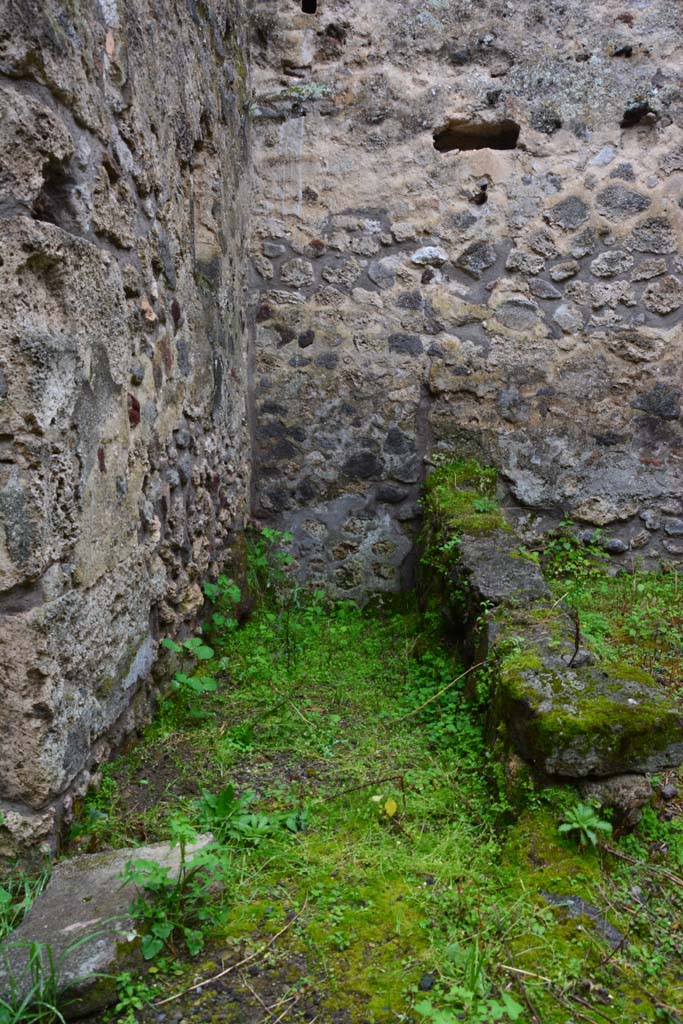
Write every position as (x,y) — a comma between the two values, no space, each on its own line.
(517,299)
(123,442)
(466,241)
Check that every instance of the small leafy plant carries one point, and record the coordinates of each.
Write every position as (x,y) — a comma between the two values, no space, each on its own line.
(484,504)
(191,680)
(268,561)
(469,997)
(224,595)
(133,995)
(569,559)
(181,909)
(195,648)
(584,820)
(485,1010)
(228,817)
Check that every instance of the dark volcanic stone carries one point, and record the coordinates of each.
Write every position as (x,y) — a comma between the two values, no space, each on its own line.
(410,300)
(617,201)
(542,289)
(614,546)
(307,490)
(662,401)
(327,360)
(390,495)
(363,465)
(623,171)
(546,120)
(458,55)
(406,344)
(286,333)
(463,219)
(397,442)
(575,906)
(569,213)
(655,235)
(476,258)
(306,338)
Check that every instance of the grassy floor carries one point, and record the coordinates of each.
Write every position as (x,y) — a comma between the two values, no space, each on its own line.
(634,616)
(376,872)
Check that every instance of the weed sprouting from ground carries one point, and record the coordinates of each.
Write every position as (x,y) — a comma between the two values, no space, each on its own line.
(360,817)
(38,991)
(634,616)
(367,865)
(17,895)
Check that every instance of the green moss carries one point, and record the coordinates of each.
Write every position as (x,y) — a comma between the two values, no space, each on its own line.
(514,665)
(535,850)
(457,512)
(621,670)
(347,715)
(460,497)
(592,711)
(468,471)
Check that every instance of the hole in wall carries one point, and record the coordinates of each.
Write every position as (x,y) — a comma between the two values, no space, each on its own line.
(51,205)
(467,135)
(309,6)
(481,196)
(639,113)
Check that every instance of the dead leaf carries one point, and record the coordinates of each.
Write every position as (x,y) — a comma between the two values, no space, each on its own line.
(110,43)
(390,808)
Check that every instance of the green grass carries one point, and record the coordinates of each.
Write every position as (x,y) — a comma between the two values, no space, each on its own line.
(329,710)
(637,617)
(17,894)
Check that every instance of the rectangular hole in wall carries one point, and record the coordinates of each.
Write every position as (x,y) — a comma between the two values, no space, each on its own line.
(467,135)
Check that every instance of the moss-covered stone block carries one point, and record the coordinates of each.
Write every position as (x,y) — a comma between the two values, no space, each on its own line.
(460,498)
(550,702)
(590,720)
